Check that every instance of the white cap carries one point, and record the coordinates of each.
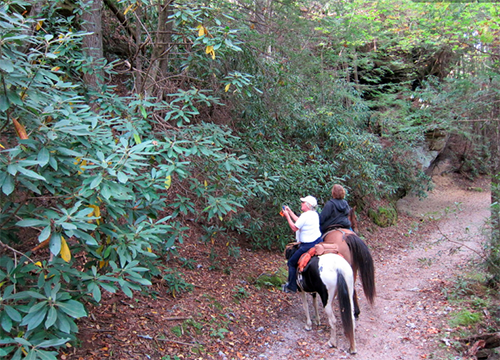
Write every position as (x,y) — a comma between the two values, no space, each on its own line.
(311,200)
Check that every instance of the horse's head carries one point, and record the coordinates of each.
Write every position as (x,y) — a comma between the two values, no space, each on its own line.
(290,249)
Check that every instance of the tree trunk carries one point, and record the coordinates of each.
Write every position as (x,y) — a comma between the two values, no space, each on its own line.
(92,44)
(495,195)
(34,13)
(159,60)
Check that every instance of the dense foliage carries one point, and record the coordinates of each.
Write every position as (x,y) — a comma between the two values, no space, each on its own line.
(213,120)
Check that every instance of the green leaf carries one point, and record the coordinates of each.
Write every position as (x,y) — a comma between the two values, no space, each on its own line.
(143,112)
(55,243)
(30,173)
(22,341)
(5,351)
(96,291)
(6,66)
(35,318)
(53,342)
(13,313)
(122,177)
(89,240)
(4,102)
(32,223)
(8,185)
(44,234)
(31,355)
(63,324)
(73,308)
(46,355)
(51,318)
(43,157)
(97,180)
(6,323)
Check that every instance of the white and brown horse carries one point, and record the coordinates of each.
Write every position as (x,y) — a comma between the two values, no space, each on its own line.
(358,255)
(329,276)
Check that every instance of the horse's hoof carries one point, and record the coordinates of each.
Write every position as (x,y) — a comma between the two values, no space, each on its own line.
(308,328)
(332,345)
(352,352)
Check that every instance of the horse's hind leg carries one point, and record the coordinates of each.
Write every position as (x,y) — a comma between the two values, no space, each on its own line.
(316,309)
(332,321)
(356,305)
(355,295)
(308,326)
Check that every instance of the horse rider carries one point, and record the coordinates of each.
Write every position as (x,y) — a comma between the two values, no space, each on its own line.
(307,233)
(336,211)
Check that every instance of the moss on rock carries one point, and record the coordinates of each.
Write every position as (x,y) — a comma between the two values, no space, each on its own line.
(383,216)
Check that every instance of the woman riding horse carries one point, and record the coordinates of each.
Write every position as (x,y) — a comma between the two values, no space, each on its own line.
(335,214)
(306,227)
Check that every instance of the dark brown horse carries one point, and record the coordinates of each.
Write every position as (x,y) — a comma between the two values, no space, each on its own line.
(358,255)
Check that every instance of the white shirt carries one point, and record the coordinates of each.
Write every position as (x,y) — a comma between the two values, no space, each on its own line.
(308,224)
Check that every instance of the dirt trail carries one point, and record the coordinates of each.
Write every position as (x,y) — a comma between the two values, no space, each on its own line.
(406,321)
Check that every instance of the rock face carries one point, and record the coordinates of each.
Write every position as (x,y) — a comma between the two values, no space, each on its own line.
(428,154)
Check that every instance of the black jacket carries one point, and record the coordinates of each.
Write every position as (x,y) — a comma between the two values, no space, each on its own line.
(335,212)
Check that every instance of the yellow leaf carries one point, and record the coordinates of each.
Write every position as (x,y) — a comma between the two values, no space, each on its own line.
(227,87)
(150,250)
(201,30)
(128,9)
(168,182)
(39,25)
(213,55)
(20,130)
(65,253)
(209,49)
(2,146)
(95,213)
(206,184)
(55,68)
(38,263)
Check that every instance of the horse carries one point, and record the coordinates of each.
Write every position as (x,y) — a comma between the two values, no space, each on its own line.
(358,255)
(353,219)
(328,275)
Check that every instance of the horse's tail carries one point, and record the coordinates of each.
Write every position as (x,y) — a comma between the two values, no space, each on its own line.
(362,259)
(345,303)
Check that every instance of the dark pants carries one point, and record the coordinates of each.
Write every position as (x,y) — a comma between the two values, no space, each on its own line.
(293,261)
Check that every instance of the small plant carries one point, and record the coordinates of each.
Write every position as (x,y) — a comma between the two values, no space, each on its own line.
(234,251)
(425,261)
(218,332)
(212,233)
(176,284)
(197,326)
(465,318)
(271,280)
(187,263)
(239,293)
(177,330)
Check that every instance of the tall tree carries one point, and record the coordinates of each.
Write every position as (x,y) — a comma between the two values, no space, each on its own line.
(92,43)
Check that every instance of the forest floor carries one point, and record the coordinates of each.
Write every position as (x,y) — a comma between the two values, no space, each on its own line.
(228,316)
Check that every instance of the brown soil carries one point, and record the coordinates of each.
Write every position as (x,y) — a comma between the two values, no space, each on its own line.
(227,317)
